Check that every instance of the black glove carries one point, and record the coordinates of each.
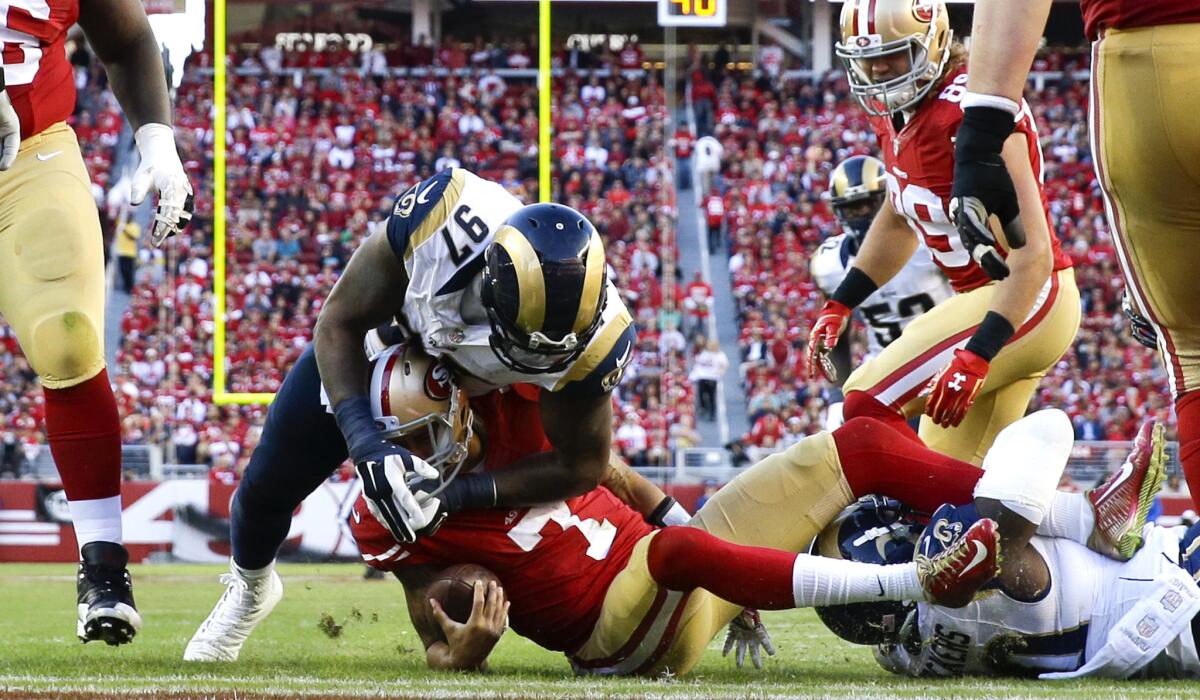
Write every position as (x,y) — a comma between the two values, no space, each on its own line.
(1139,326)
(983,188)
(464,492)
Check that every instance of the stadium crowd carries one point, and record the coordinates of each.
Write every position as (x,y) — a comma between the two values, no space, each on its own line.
(780,141)
(315,158)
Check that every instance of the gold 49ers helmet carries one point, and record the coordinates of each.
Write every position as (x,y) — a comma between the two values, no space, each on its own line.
(417,404)
(882,29)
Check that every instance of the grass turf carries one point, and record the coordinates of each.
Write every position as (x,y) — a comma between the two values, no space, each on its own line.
(300,651)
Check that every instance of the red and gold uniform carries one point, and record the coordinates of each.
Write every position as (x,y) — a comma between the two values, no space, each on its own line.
(576,571)
(51,255)
(1144,102)
(920,162)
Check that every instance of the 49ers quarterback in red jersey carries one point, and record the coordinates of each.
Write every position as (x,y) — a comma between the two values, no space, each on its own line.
(971,363)
(591,577)
(52,259)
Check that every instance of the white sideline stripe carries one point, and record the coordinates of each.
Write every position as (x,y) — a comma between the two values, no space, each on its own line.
(17,515)
(30,539)
(29,527)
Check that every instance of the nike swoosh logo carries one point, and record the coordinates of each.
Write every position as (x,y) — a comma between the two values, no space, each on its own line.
(1126,472)
(881,593)
(48,156)
(423,198)
(980,555)
(625,356)
(357,516)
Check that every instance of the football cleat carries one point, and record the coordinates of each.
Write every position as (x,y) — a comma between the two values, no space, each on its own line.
(245,603)
(952,577)
(106,609)
(1121,503)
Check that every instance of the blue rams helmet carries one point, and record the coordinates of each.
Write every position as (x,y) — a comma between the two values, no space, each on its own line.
(857,187)
(873,530)
(544,287)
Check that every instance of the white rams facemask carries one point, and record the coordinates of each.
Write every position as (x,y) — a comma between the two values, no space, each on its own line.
(874,30)
(418,405)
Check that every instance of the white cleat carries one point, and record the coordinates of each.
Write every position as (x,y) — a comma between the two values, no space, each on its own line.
(246,603)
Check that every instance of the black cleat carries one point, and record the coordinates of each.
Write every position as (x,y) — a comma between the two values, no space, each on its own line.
(106,608)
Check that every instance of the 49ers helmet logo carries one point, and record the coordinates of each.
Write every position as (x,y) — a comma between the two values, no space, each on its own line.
(437,382)
(923,11)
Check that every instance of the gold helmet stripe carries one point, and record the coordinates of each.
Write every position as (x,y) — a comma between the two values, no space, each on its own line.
(593,276)
(602,344)
(873,176)
(531,286)
(840,182)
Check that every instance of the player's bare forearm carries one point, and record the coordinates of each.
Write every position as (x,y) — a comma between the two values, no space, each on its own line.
(368,293)
(888,245)
(580,429)
(1032,264)
(1023,572)
(632,488)
(121,36)
(1004,38)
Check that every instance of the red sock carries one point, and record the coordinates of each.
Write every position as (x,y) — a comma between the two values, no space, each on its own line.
(683,558)
(860,404)
(1187,412)
(85,438)
(878,459)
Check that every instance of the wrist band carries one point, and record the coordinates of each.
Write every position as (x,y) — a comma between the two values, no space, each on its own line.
(854,289)
(991,336)
(977,99)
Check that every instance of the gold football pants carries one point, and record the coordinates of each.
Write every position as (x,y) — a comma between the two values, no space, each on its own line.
(52,259)
(781,502)
(1144,106)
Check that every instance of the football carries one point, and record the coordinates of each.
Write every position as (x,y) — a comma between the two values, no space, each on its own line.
(453,589)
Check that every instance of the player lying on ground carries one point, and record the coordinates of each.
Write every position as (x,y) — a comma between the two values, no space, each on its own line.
(970,364)
(52,259)
(590,577)
(506,294)
(1056,609)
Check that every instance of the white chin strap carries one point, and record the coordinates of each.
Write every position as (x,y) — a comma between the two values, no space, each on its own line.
(1026,462)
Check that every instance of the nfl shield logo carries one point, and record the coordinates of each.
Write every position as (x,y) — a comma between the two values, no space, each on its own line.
(1146,627)
(1171,601)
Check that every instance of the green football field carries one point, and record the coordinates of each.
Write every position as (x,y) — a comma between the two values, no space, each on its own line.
(336,635)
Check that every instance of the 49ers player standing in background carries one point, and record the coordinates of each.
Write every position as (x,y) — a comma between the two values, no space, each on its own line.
(52,259)
(1145,65)
(972,362)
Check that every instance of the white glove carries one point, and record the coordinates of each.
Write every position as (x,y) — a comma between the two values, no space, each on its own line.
(385,487)
(161,169)
(10,131)
(746,631)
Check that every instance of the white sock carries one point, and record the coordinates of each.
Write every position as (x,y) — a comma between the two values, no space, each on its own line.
(819,581)
(1070,517)
(96,520)
(252,574)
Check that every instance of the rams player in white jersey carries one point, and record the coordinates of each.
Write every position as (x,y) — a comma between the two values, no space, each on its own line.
(503,294)
(857,188)
(1057,610)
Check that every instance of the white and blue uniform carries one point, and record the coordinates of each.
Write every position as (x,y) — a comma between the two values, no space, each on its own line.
(917,288)
(1062,630)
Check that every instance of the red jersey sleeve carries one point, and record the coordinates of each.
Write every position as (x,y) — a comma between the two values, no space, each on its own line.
(39,78)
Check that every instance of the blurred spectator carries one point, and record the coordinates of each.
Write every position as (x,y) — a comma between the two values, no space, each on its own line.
(632,440)
(708,368)
(710,489)
(127,252)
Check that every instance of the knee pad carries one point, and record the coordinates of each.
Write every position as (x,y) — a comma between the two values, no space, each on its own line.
(65,349)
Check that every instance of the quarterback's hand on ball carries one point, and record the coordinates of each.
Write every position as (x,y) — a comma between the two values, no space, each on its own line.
(1139,325)
(386,489)
(746,632)
(160,169)
(952,391)
(10,130)
(830,325)
(983,188)
(472,641)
